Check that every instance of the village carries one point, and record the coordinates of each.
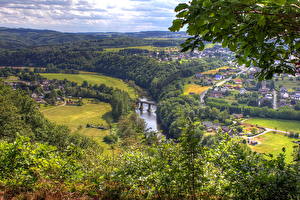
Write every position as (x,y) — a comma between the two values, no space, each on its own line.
(212,51)
(282,91)
(43,91)
(238,86)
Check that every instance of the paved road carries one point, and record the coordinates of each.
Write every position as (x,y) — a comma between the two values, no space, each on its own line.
(274,99)
(203,94)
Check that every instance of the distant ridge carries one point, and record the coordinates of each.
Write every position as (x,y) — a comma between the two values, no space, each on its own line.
(18,38)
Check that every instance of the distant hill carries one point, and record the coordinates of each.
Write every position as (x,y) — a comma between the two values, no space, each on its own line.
(19,38)
(22,38)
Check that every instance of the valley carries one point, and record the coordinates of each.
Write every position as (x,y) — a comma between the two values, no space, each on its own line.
(131,115)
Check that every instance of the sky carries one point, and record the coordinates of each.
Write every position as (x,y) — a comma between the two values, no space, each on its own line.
(89,15)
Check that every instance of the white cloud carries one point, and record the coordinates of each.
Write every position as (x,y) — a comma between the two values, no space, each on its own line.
(88,15)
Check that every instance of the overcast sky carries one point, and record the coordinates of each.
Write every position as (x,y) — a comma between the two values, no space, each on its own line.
(89,15)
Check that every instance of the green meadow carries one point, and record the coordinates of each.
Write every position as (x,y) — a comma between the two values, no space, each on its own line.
(93,78)
(77,117)
(290,85)
(149,48)
(272,143)
(279,124)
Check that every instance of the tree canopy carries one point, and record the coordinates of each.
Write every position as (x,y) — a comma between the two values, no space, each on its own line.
(263,33)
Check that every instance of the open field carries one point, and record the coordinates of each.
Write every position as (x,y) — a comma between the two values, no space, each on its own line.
(210,45)
(273,143)
(149,48)
(11,79)
(193,88)
(288,84)
(93,78)
(77,117)
(279,124)
(214,71)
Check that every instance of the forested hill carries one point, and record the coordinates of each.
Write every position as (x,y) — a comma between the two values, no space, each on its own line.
(22,38)
(11,39)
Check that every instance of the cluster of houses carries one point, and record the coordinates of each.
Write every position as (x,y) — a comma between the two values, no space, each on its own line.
(287,98)
(214,127)
(210,79)
(215,52)
(45,87)
(278,98)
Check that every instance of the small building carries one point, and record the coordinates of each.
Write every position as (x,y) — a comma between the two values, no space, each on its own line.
(269,96)
(218,77)
(207,124)
(243,91)
(198,75)
(238,81)
(283,90)
(295,97)
(284,95)
(34,95)
(216,94)
(264,90)
(238,116)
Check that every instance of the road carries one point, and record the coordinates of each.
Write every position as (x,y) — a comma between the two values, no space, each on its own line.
(266,131)
(274,99)
(203,94)
(55,107)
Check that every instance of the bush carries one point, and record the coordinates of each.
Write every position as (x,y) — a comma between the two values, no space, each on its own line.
(110,139)
(25,166)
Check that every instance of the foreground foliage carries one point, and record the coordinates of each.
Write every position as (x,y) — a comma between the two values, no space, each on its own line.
(196,168)
(262,33)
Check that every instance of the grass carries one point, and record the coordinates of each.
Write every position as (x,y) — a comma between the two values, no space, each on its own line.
(76,118)
(279,124)
(149,48)
(210,45)
(214,71)
(93,78)
(193,88)
(273,143)
(288,84)
(11,79)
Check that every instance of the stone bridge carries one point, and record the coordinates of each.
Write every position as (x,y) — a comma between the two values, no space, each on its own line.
(140,104)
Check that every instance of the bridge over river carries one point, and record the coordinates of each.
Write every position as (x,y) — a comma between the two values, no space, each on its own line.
(140,104)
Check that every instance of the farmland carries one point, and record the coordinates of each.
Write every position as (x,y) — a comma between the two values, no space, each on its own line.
(93,78)
(290,85)
(195,89)
(149,48)
(273,143)
(214,71)
(279,124)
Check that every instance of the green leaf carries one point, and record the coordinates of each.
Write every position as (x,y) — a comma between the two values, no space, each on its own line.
(279,2)
(206,3)
(181,6)
(182,14)
(177,24)
(261,21)
(297,46)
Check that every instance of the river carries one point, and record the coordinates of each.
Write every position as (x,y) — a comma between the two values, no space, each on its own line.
(149,117)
